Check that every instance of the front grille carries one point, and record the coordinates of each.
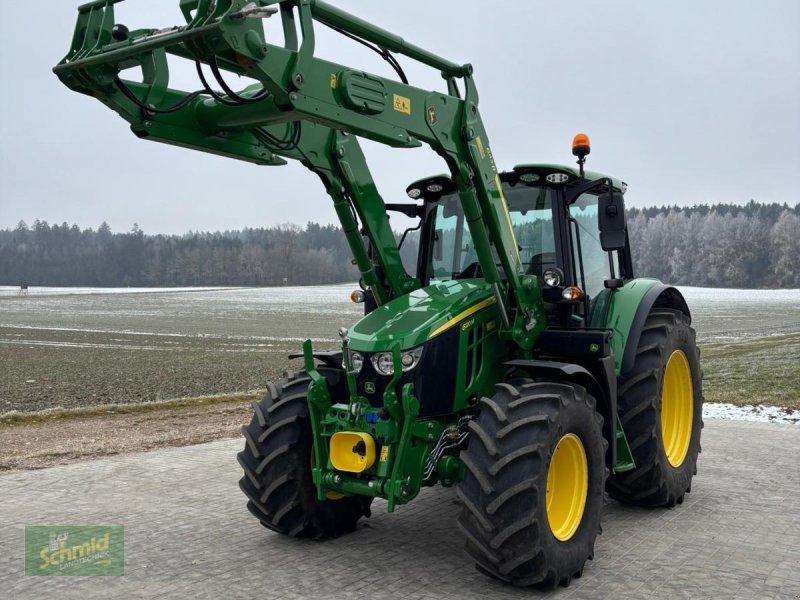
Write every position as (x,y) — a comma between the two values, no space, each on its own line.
(434,378)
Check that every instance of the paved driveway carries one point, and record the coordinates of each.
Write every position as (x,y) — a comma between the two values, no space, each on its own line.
(188,535)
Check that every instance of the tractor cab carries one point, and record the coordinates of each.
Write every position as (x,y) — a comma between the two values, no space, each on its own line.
(554,212)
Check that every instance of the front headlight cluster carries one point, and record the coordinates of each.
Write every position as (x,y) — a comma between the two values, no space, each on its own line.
(384,363)
(357,361)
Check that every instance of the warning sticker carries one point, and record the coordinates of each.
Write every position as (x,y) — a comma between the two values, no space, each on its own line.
(384,453)
(402,104)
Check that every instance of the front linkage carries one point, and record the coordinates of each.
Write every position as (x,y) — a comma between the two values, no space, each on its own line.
(384,452)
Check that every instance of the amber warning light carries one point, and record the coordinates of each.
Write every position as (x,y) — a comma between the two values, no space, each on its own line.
(581,148)
(580,145)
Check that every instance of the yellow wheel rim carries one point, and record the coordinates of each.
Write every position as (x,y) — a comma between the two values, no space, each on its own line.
(567,485)
(677,407)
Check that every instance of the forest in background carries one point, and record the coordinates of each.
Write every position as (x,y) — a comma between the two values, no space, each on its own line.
(751,246)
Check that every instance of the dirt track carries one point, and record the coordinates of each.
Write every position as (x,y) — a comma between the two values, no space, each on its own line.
(61,438)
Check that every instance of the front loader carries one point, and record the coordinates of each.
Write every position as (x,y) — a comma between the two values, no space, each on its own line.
(521,362)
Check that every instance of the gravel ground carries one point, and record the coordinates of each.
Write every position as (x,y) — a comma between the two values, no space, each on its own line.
(64,437)
(61,437)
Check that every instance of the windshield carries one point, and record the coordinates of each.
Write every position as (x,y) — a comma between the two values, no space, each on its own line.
(530,211)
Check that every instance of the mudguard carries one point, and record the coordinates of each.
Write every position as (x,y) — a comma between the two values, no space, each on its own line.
(602,384)
(628,312)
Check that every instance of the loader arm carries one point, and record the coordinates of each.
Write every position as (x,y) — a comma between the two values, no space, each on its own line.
(311,110)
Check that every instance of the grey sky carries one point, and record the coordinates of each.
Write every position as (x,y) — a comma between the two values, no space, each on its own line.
(688,101)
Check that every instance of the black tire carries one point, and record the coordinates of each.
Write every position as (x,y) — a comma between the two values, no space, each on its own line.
(277,466)
(654,481)
(503,494)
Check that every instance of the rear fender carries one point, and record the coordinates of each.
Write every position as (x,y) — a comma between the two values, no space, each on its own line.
(628,310)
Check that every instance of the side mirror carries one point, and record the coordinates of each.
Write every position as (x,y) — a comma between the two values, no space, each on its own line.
(438,242)
(611,221)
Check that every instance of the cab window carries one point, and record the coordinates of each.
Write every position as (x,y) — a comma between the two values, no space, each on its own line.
(596,267)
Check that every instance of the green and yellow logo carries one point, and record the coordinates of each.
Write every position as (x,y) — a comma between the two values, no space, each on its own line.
(74,550)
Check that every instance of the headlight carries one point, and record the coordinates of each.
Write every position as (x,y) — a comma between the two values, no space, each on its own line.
(384,363)
(552,277)
(357,361)
(557,178)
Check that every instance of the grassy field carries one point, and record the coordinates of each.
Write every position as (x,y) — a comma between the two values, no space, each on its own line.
(81,348)
(760,371)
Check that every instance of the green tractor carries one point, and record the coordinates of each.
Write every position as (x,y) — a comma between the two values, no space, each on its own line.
(521,362)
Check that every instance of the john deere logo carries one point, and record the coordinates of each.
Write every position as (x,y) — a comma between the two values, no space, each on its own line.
(593,347)
(369,387)
(74,550)
(432,115)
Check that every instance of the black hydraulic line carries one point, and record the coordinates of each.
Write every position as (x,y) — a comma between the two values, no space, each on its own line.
(208,89)
(231,94)
(151,109)
(281,144)
(383,52)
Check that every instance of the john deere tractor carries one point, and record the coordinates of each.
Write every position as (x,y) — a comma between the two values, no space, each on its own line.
(521,361)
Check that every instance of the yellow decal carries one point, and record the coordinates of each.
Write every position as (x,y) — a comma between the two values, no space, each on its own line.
(490,325)
(402,104)
(333,81)
(467,324)
(481,151)
(384,453)
(463,315)
(508,218)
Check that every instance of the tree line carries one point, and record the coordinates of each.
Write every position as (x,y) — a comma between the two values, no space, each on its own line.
(724,245)
(755,245)
(66,255)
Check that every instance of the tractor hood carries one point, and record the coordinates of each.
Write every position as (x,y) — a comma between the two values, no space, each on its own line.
(416,317)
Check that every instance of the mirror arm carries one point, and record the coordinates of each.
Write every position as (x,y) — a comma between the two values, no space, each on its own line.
(575,193)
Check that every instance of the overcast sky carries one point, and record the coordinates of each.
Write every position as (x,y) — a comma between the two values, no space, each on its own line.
(688,101)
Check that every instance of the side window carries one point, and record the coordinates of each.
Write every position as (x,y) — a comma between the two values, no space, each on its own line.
(452,244)
(595,260)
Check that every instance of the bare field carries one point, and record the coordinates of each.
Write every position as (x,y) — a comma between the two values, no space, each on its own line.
(73,348)
(62,349)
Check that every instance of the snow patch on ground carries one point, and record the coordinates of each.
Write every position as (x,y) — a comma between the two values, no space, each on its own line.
(760,412)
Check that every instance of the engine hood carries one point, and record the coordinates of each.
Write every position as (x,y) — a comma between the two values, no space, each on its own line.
(416,317)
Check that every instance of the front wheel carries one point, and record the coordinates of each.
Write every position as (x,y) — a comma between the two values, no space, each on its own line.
(277,459)
(532,494)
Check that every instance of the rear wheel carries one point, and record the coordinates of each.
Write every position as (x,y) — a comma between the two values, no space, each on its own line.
(660,406)
(533,487)
(277,460)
